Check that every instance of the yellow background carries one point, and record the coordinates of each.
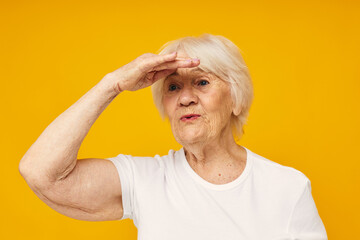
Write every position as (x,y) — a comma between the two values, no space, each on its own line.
(303,57)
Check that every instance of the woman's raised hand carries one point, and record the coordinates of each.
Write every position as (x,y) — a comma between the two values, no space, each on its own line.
(147,69)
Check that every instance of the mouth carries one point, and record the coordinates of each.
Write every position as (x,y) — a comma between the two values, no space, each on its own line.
(189,117)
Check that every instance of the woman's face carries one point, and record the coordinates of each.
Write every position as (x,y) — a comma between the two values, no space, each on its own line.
(198,105)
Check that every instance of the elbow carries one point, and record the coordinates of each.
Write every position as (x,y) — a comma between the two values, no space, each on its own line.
(32,176)
(26,172)
(22,168)
(25,167)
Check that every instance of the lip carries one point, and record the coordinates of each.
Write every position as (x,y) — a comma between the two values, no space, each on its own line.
(189,117)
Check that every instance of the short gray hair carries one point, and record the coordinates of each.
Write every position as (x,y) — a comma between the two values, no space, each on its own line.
(219,56)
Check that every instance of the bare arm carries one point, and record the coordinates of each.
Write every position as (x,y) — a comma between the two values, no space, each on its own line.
(92,191)
(87,189)
(54,153)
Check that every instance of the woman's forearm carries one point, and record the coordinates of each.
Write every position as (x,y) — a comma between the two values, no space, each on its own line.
(54,153)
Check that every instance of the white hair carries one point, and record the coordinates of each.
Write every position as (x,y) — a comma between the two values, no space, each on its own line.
(219,56)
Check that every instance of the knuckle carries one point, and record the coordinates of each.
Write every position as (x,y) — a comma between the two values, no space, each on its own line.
(147,60)
(142,66)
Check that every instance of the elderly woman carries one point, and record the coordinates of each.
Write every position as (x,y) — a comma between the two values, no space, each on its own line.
(212,188)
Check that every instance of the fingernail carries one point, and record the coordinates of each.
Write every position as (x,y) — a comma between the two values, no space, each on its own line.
(174,53)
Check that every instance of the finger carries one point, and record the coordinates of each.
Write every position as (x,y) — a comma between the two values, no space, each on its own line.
(178,64)
(149,63)
(182,58)
(162,74)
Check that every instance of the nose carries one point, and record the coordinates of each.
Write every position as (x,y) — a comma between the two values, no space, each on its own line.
(187,97)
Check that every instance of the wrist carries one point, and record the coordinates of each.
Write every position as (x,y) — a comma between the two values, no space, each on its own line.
(109,85)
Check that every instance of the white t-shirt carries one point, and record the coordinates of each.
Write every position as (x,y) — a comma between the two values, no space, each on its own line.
(168,200)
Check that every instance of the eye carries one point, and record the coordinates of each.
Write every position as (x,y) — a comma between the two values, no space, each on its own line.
(172,87)
(203,82)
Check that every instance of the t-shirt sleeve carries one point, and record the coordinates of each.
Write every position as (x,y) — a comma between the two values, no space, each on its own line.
(125,170)
(305,222)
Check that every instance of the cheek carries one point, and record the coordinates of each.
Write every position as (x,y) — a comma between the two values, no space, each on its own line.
(219,104)
(169,106)
(219,109)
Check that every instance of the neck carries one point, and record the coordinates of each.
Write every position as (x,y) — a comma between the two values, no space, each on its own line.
(222,150)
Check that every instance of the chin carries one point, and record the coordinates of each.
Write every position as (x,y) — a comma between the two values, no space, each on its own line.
(189,137)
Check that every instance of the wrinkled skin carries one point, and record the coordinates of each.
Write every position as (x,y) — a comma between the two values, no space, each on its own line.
(197,93)
(208,142)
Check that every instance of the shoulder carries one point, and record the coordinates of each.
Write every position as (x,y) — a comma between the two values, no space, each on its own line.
(278,174)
